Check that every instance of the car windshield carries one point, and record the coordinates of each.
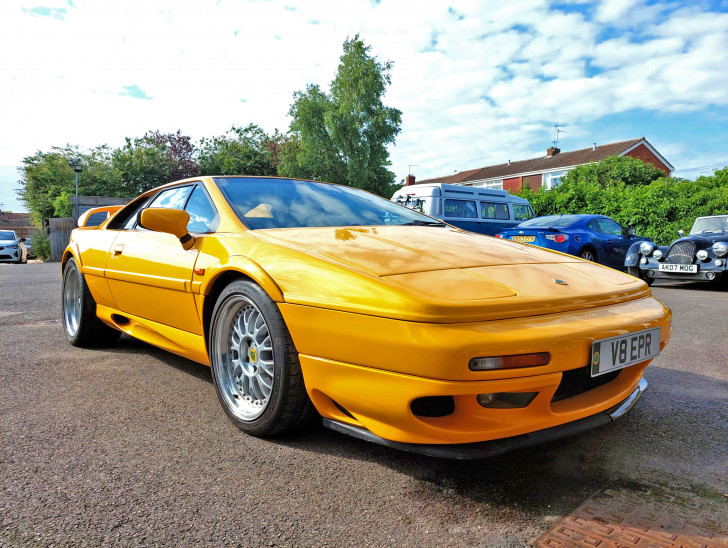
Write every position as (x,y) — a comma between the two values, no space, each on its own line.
(7,235)
(556,221)
(710,224)
(288,203)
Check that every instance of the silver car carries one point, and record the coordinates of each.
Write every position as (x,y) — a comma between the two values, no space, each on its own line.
(12,248)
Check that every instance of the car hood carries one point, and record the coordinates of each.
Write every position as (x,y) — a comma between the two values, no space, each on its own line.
(703,241)
(443,274)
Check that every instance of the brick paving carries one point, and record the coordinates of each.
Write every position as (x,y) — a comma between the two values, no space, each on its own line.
(617,519)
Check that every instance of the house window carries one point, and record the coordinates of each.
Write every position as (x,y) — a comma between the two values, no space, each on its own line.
(552,180)
(497,185)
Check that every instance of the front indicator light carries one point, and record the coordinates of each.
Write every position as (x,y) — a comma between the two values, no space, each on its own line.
(506,400)
(702,255)
(509,362)
(718,262)
(643,260)
(657,254)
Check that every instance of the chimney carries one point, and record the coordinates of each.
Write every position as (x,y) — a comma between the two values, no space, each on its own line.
(552,151)
(409,180)
(594,146)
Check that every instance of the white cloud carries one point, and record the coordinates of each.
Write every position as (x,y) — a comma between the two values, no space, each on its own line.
(478,82)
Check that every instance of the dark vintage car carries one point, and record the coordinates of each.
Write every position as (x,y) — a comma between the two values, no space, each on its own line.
(592,237)
(699,256)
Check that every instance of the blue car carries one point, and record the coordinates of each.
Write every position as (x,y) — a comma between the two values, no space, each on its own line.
(592,237)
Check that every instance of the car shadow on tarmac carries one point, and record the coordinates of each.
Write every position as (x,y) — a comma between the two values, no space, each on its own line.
(670,440)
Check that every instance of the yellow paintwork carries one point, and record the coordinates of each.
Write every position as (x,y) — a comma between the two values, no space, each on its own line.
(383,315)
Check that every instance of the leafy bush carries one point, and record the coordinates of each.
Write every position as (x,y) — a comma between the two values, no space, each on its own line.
(656,210)
(41,244)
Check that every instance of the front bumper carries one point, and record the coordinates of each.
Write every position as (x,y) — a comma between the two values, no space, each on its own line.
(704,273)
(366,372)
(479,450)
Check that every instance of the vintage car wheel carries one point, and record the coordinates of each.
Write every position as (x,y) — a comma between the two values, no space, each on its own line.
(637,273)
(80,324)
(588,254)
(254,362)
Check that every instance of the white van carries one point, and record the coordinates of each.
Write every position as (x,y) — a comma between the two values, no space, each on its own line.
(476,209)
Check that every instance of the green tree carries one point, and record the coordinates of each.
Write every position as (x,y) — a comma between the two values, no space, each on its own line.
(616,169)
(342,136)
(154,159)
(240,151)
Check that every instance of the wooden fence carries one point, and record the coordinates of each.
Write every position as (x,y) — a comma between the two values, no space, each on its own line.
(60,234)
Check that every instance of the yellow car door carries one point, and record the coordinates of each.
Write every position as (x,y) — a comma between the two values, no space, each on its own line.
(150,273)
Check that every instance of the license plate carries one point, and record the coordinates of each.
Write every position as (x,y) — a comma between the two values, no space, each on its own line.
(523,238)
(619,352)
(679,268)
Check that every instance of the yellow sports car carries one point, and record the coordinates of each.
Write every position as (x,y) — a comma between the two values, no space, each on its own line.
(395,327)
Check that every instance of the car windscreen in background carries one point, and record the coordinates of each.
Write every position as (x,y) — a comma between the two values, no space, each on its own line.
(5,235)
(288,203)
(556,221)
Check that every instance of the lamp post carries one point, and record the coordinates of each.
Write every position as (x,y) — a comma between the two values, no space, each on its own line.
(76,165)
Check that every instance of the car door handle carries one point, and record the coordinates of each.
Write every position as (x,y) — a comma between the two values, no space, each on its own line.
(610,241)
(118,249)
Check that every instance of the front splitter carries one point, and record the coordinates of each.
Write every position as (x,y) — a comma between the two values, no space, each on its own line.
(491,448)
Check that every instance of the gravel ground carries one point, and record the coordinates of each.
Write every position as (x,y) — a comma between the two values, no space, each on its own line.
(129,446)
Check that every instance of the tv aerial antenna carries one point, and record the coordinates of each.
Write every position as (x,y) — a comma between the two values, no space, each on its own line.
(557,131)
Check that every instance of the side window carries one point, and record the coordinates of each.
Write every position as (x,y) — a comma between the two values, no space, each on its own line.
(203,217)
(172,198)
(608,226)
(490,210)
(461,208)
(594,225)
(522,212)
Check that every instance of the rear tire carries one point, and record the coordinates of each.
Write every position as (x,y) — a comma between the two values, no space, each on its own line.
(78,312)
(255,364)
(637,273)
(588,254)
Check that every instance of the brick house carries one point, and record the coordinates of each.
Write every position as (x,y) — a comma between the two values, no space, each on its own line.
(21,223)
(548,170)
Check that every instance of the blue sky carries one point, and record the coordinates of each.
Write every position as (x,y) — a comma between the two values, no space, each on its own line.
(478,82)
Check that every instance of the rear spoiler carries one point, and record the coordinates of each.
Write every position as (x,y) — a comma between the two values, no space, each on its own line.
(107,210)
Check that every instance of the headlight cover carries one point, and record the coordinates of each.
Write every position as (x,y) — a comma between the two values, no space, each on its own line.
(657,254)
(646,248)
(720,249)
(13,246)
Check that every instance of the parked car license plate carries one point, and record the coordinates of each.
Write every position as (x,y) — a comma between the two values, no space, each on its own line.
(619,352)
(679,268)
(523,238)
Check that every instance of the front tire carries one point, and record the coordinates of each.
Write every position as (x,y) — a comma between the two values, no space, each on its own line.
(78,312)
(254,362)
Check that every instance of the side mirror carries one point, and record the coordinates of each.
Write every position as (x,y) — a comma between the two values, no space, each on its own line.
(23,240)
(631,232)
(681,233)
(171,221)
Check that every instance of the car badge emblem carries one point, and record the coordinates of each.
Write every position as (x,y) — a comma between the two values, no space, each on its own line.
(520,231)
(559,282)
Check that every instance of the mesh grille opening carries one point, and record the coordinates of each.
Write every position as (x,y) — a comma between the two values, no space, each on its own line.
(681,253)
(578,381)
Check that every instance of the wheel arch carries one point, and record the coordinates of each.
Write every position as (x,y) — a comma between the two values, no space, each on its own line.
(224,276)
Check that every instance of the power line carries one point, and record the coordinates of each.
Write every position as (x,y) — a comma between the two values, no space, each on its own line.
(699,168)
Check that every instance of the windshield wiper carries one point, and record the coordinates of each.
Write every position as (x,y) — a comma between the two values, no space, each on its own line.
(418,222)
